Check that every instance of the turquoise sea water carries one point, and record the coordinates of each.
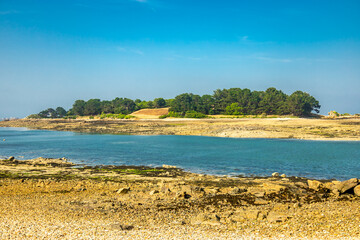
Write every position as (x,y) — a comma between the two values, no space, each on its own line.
(210,155)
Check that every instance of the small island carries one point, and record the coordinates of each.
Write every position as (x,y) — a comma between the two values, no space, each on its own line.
(236,112)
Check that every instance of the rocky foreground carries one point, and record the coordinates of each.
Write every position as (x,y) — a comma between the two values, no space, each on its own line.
(55,199)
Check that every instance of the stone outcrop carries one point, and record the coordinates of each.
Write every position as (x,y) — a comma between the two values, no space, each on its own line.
(347,185)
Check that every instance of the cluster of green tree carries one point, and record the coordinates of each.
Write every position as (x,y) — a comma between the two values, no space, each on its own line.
(236,101)
(59,112)
(116,106)
(233,101)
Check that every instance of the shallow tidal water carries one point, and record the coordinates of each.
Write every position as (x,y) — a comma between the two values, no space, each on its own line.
(209,155)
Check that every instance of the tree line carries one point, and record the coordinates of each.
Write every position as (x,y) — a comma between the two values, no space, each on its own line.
(237,101)
(233,101)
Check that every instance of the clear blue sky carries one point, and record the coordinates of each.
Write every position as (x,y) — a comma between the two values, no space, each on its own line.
(55,52)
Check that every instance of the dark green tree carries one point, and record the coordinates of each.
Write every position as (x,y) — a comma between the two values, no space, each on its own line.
(78,107)
(106,107)
(273,102)
(159,103)
(302,104)
(60,112)
(92,107)
(48,113)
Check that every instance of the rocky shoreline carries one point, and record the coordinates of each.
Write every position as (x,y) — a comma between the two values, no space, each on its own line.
(54,198)
(289,128)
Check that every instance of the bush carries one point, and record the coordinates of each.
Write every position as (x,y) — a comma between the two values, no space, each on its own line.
(194,114)
(115,116)
(263,115)
(70,117)
(33,116)
(234,109)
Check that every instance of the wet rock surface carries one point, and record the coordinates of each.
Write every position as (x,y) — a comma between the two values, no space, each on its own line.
(67,202)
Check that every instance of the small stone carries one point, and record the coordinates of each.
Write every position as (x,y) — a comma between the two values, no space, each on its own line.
(168,166)
(283,175)
(123,190)
(297,205)
(11,158)
(154,192)
(275,174)
(181,222)
(276,217)
(259,201)
(237,190)
(117,226)
(206,219)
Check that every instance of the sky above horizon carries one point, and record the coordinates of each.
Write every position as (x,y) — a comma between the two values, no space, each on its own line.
(55,52)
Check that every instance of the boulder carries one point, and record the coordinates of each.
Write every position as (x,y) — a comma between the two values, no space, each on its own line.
(357,190)
(346,185)
(314,184)
(237,190)
(246,214)
(11,158)
(329,185)
(275,174)
(273,188)
(283,175)
(260,201)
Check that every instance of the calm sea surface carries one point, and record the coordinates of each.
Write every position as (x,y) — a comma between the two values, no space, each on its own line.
(210,155)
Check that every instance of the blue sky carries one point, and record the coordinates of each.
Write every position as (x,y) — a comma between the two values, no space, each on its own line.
(55,52)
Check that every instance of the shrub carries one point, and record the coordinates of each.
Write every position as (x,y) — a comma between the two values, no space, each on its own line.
(234,109)
(115,116)
(70,117)
(33,116)
(194,114)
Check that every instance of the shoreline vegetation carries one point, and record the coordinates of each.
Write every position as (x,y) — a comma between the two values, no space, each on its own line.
(59,199)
